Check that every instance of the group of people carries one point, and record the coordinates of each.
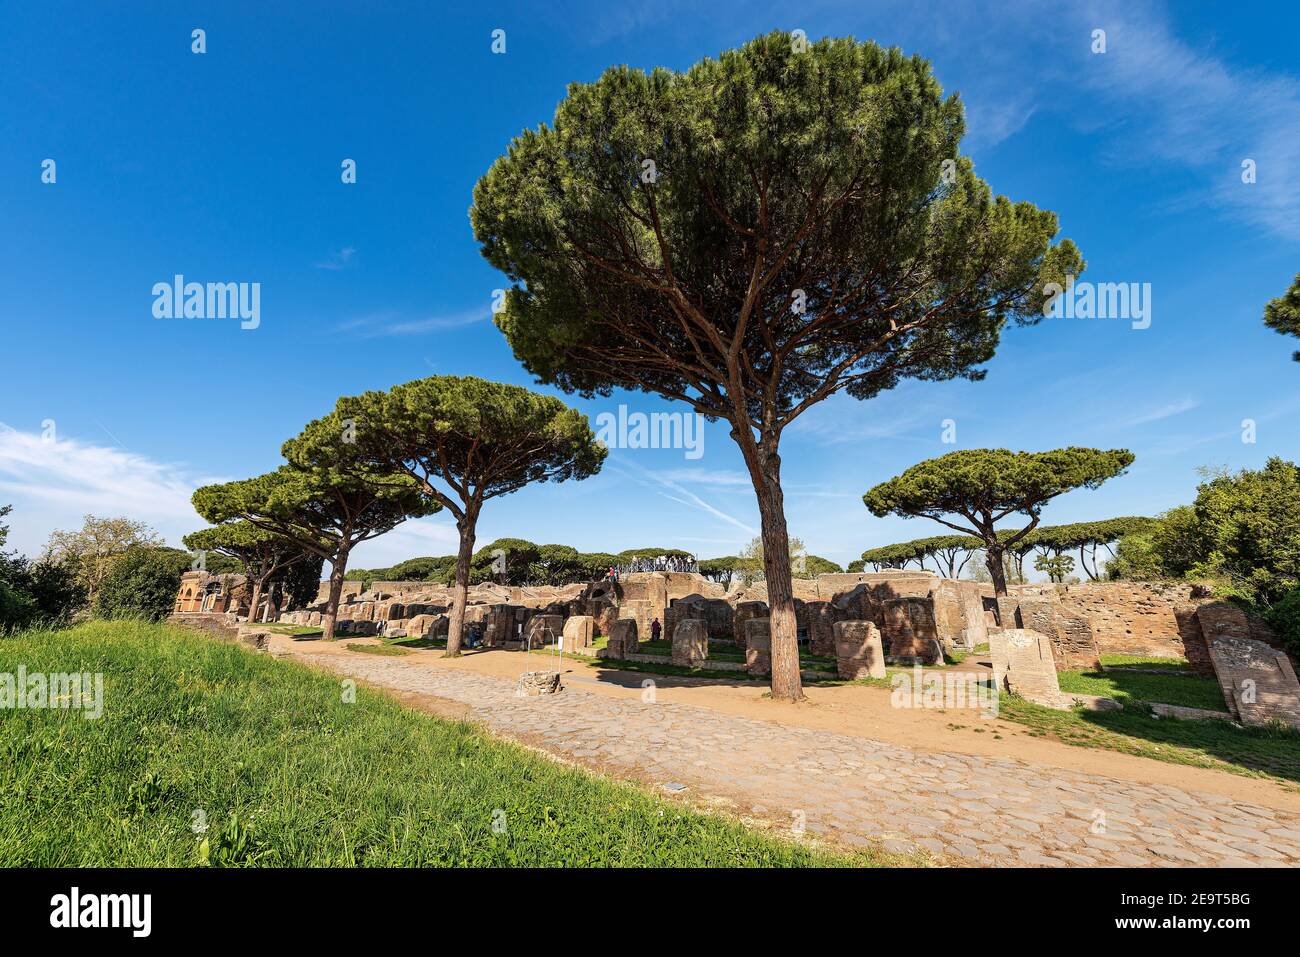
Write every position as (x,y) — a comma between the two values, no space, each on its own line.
(664,563)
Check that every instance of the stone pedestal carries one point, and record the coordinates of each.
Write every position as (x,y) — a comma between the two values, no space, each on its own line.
(690,642)
(1024,665)
(859,652)
(758,646)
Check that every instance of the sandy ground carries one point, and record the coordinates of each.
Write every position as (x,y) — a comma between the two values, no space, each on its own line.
(858,710)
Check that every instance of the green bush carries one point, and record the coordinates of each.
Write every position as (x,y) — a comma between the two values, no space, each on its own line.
(1284,618)
(142,584)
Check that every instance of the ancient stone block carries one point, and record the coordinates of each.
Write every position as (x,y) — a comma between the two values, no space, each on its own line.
(821,628)
(909,632)
(758,646)
(1028,667)
(859,651)
(690,642)
(1073,646)
(623,639)
(543,630)
(1258,681)
(578,634)
(745,611)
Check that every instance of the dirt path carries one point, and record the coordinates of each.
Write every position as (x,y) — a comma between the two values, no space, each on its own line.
(848,766)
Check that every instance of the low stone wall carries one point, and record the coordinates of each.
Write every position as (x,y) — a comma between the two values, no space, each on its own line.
(1131,618)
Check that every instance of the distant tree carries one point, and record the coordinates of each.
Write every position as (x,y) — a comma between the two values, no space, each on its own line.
(985,486)
(753,235)
(596,565)
(1283,313)
(424,568)
(1169,547)
(857,565)
(651,553)
(952,552)
(1085,538)
(326,509)
(557,565)
(721,570)
(1056,566)
(97,545)
(142,584)
(752,563)
(465,440)
(506,561)
(815,565)
(261,554)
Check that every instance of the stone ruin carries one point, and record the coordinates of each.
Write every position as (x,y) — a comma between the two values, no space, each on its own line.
(690,642)
(912,617)
(859,652)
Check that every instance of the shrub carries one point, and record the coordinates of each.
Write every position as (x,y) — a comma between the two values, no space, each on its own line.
(142,584)
(1284,618)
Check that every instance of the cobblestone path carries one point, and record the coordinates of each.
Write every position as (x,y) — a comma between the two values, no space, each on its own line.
(857,791)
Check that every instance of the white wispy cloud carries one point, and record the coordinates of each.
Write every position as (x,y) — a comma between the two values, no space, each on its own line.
(389,324)
(53,482)
(338,260)
(1184,105)
(1163,412)
(676,492)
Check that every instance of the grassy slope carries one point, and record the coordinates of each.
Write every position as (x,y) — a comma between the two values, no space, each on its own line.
(286,773)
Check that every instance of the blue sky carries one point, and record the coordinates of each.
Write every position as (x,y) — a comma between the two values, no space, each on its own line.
(225,166)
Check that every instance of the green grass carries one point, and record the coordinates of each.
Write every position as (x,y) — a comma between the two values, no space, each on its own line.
(1140,661)
(285,772)
(415,641)
(387,650)
(1272,752)
(296,630)
(1129,687)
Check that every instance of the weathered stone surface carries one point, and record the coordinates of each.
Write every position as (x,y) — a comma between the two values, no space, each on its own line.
(859,651)
(1130,617)
(909,631)
(745,611)
(1073,646)
(758,645)
(623,639)
(534,683)
(854,788)
(1258,681)
(1028,667)
(579,632)
(821,628)
(543,630)
(690,642)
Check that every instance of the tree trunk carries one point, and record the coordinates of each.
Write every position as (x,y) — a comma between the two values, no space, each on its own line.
(254,599)
(786,683)
(456,626)
(337,570)
(993,558)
